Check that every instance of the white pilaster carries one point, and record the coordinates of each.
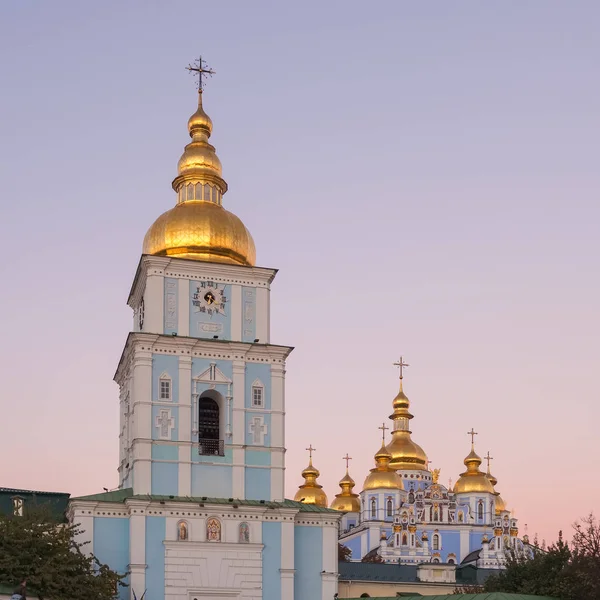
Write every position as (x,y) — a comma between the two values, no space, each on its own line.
(287,561)
(86,525)
(277,474)
(238,473)
(262,315)
(154,300)
(236,313)
(142,420)
(238,425)
(185,424)
(137,554)
(464,543)
(183,307)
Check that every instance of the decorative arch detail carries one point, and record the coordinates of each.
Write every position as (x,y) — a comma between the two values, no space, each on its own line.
(213,530)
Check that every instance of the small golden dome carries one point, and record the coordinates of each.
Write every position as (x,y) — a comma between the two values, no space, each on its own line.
(500,504)
(473,480)
(492,479)
(310,492)
(346,500)
(383,475)
(198,227)
(405,453)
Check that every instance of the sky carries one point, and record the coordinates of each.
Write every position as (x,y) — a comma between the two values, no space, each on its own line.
(424,175)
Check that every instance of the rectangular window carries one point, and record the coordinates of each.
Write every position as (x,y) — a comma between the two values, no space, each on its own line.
(165,389)
(257,396)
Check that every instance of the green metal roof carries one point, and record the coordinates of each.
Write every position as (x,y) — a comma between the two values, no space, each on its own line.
(125,494)
(488,596)
(55,502)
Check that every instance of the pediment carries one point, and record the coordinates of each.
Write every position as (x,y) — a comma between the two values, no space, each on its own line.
(212,375)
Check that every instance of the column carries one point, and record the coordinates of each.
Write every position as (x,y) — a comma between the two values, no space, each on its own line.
(287,561)
(183,307)
(238,429)
(235,307)
(154,300)
(137,554)
(185,425)
(142,421)
(262,315)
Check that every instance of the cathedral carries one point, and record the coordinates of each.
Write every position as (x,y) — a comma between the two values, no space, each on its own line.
(404,515)
(200,511)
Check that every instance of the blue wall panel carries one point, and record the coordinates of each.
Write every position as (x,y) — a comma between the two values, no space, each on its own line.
(248,314)
(165,451)
(163,363)
(257,483)
(214,481)
(258,458)
(271,537)
(111,545)
(155,559)
(165,478)
(262,373)
(308,553)
(171,306)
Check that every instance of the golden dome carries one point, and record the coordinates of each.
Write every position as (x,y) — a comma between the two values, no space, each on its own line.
(473,480)
(383,475)
(500,504)
(405,453)
(198,227)
(201,231)
(347,500)
(310,492)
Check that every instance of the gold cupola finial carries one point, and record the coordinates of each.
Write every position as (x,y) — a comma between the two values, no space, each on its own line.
(310,492)
(473,480)
(406,454)
(346,500)
(198,227)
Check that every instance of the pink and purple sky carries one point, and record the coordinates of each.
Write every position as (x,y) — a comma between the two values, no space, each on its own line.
(424,175)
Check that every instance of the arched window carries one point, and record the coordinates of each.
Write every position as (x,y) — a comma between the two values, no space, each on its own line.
(480,510)
(373,508)
(213,530)
(182,531)
(164,387)
(436,541)
(365,595)
(389,508)
(244,533)
(436,560)
(404,539)
(411,497)
(208,427)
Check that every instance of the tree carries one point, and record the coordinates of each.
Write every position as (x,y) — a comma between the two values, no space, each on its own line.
(559,571)
(344,553)
(43,552)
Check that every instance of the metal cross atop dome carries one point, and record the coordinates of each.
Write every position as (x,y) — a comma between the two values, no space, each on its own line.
(488,458)
(383,430)
(401,364)
(310,451)
(472,433)
(199,69)
(347,459)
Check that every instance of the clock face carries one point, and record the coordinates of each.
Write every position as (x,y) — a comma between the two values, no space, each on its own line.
(141,315)
(208,298)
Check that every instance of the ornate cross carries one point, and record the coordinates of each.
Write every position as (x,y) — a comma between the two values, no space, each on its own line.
(450,483)
(472,433)
(383,430)
(401,364)
(310,451)
(488,458)
(199,69)
(347,459)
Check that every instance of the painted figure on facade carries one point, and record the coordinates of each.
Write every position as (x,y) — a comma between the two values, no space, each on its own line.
(182,531)
(213,530)
(244,533)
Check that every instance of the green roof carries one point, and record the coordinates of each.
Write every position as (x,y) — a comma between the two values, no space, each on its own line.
(126,494)
(488,596)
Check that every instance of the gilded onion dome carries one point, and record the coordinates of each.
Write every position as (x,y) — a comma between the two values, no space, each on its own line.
(346,500)
(310,492)
(198,227)
(473,480)
(383,476)
(405,453)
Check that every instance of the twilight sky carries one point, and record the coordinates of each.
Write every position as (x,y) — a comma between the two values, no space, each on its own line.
(424,175)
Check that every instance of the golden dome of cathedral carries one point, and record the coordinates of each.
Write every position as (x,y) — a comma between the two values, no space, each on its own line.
(346,500)
(198,227)
(405,453)
(310,492)
(383,475)
(500,504)
(473,480)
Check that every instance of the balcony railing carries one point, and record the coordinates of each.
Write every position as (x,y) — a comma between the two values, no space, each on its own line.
(211,447)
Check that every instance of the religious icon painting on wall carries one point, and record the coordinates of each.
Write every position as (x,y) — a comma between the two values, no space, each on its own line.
(182,531)
(244,533)
(213,530)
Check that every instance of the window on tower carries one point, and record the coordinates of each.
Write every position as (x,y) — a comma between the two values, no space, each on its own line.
(257,396)
(389,508)
(209,441)
(165,389)
(373,508)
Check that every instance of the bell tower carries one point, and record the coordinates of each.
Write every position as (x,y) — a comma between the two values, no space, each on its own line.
(202,394)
